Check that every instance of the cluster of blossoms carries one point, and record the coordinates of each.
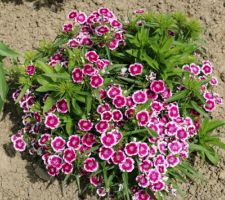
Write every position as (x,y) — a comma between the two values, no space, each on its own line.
(204,73)
(138,132)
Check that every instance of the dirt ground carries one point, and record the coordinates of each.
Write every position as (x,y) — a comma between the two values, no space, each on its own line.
(22,27)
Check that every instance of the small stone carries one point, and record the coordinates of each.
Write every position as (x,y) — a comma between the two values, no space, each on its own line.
(222,76)
(41,173)
(222,175)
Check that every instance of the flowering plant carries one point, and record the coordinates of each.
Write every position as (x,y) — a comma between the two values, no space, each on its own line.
(123,104)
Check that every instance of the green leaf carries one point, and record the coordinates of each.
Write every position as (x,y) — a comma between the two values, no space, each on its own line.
(48,104)
(3,84)
(88,103)
(64,75)
(47,88)
(69,126)
(76,108)
(179,95)
(1,104)
(199,109)
(5,51)
(44,67)
(22,92)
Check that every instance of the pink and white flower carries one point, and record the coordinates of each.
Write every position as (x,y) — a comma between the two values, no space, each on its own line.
(195,69)
(102,30)
(62,106)
(213,81)
(74,142)
(89,70)
(172,160)
(119,101)
(103,107)
(52,171)
(135,69)
(88,139)
(209,105)
(143,149)
(118,157)
(19,144)
(182,134)
(77,75)
(69,155)
(157,106)
(127,165)
(207,69)
(139,97)
(142,118)
(67,27)
(96,180)
(55,161)
(30,70)
(157,86)
(96,81)
(102,126)
(81,18)
(58,144)
(154,175)
(175,147)
(52,121)
(72,15)
(145,166)
(158,186)
(85,125)
(67,168)
(173,111)
(142,181)
(43,139)
(105,153)
(131,149)
(91,56)
(107,116)
(90,165)
(114,91)
(108,140)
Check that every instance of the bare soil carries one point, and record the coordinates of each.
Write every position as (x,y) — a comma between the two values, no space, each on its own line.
(24,24)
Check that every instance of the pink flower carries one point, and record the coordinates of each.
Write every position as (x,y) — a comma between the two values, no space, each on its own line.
(131,149)
(52,121)
(151,94)
(129,101)
(139,97)
(127,165)
(19,144)
(158,186)
(139,11)
(208,95)
(103,107)
(135,69)
(117,134)
(91,56)
(58,144)
(95,181)
(182,134)
(119,101)
(209,105)
(107,116)
(175,147)
(114,91)
(118,157)
(30,70)
(55,161)
(113,44)
(73,43)
(90,165)
(96,81)
(88,139)
(67,27)
(52,171)
(81,18)
(85,125)
(77,75)
(157,106)
(207,69)
(145,166)
(69,155)
(143,149)
(117,115)
(173,111)
(101,192)
(62,106)
(116,24)
(74,142)
(159,160)
(108,140)
(171,128)
(172,160)
(142,181)
(101,30)
(162,146)
(153,175)
(102,126)
(195,69)
(142,118)
(72,15)
(105,153)
(213,81)
(157,86)
(89,70)
(44,138)
(67,168)
(130,112)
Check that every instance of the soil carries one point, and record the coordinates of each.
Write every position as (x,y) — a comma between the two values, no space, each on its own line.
(25,24)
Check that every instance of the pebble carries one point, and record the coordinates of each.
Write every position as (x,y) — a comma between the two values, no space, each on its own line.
(41,173)
(222,175)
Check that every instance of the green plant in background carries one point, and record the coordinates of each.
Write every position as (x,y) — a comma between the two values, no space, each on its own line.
(5,51)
